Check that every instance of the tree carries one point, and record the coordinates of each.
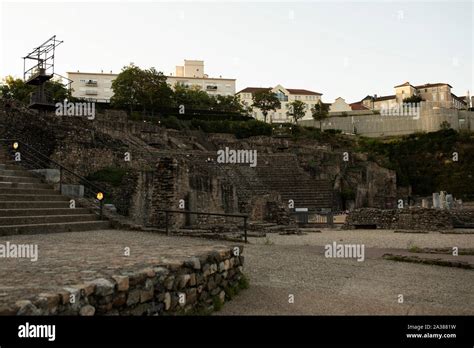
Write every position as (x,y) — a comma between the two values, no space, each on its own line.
(18,90)
(415,99)
(127,87)
(155,92)
(266,101)
(57,91)
(297,110)
(320,112)
(192,97)
(445,125)
(229,103)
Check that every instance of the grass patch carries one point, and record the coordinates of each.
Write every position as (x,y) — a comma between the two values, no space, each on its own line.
(243,283)
(415,249)
(268,241)
(217,303)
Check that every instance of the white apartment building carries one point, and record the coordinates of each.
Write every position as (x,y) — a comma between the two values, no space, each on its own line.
(286,96)
(95,87)
(98,86)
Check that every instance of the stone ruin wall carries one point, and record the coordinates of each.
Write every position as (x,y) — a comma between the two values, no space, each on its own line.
(408,219)
(198,282)
(152,182)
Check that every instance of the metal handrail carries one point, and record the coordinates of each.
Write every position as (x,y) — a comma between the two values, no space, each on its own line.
(167,212)
(40,161)
(54,162)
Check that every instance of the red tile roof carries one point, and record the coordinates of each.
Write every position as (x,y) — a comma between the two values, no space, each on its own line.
(461,99)
(254,89)
(358,106)
(291,90)
(428,85)
(302,92)
(404,84)
(385,97)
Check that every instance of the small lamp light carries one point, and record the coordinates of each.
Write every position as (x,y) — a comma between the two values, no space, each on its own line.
(15,145)
(100,196)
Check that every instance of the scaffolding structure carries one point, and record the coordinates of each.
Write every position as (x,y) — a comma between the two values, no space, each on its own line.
(40,72)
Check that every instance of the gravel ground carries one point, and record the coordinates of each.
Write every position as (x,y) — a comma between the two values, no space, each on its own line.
(281,266)
(372,239)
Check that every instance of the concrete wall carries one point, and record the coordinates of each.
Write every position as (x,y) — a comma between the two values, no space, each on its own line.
(380,125)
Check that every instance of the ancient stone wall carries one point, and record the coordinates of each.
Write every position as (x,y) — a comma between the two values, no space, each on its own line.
(407,219)
(167,166)
(199,284)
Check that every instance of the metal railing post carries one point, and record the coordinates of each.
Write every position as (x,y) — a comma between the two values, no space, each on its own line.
(166,223)
(101,209)
(60,180)
(245,229)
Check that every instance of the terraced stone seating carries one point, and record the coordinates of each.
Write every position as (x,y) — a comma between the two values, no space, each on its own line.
(274,172)
(30,206)
(282,173)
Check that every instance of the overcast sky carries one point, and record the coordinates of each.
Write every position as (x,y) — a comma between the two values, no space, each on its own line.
(346,49)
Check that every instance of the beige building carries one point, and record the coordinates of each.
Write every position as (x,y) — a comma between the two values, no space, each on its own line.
(98,86)
(192,74)
(95,87)
(339,105)
(286,96)
(437,95)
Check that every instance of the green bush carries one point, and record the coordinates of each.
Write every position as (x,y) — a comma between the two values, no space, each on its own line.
(333,131)
(111,175)
(172,122)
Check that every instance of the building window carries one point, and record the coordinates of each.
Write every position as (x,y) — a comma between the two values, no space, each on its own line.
(281,96)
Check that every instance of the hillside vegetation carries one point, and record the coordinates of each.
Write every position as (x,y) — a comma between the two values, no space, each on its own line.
(429,162)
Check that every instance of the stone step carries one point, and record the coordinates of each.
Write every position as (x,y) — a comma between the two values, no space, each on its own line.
(30,204)
(9,165)
(53,228)
(309,195)
(25,179)
(15,172)
(32,198)
(28,191)
(31,220)
(42,211)
(20,185)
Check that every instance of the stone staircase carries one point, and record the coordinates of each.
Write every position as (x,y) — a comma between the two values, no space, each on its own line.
(29,206)
(283,174)
(274,172)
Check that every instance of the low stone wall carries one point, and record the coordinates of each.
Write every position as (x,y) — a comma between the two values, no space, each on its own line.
(199,284)
(407,219)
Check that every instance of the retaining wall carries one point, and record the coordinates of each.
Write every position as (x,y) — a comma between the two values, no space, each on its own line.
(198,284)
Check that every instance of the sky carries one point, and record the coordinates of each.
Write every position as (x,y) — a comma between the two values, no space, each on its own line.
(340,48)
